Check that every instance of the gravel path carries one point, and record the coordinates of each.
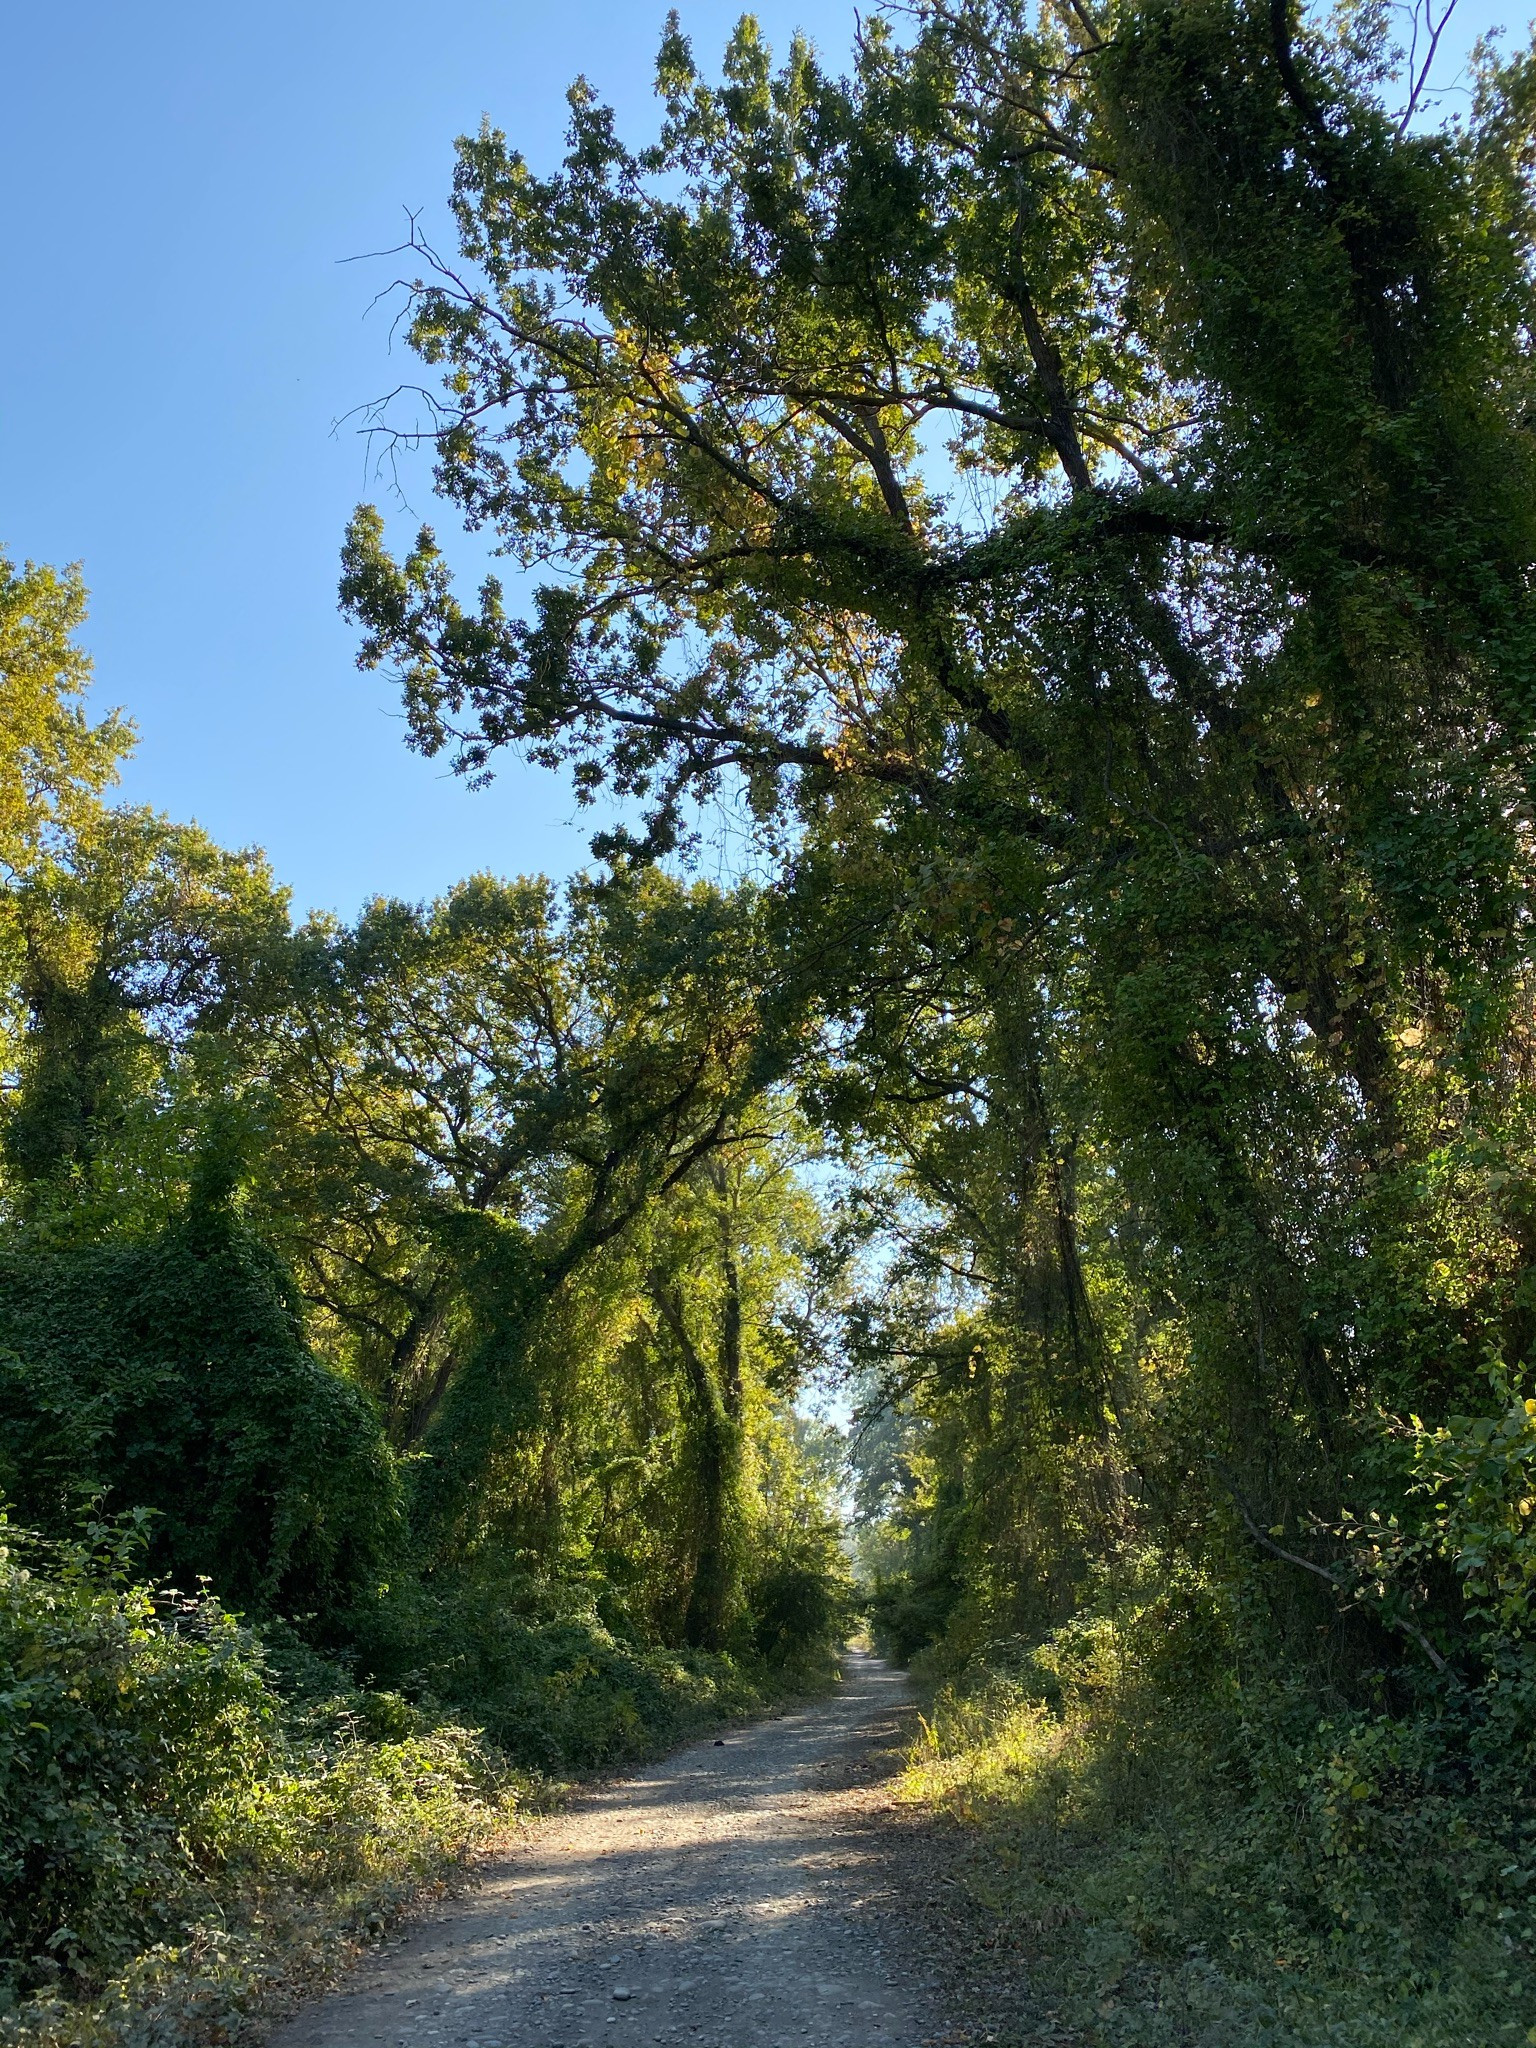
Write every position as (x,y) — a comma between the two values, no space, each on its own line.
(733,1896)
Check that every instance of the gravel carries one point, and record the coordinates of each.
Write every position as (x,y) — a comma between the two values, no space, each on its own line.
(735,1895)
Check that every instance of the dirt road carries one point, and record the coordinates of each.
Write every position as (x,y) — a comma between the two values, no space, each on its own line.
(733,1896)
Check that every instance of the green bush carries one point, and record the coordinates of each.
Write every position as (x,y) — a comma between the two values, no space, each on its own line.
(174,1376)
(569,1696)
(554,1687)
(802,1602)
(125,1737)
(172,1832)
(908,1612)
(1191,1851)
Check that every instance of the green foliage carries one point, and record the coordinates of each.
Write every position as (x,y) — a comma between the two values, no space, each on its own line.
(425,1289)
(173,1377)
(119,1731)
(1187,1851)
(471,1109)
(1072,478)
(1480,1476)
(1156,762)
(564,1694)
(802,1604)
(135,937)
(53,760)
(910,1611)
(173,1830)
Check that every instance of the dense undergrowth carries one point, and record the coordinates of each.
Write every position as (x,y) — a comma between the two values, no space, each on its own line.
(192,1821)
(1176,1841)
(177,1832)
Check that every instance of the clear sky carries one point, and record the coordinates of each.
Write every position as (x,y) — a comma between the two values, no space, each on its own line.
(181,333)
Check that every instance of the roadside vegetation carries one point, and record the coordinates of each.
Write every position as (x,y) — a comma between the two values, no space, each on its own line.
(180,1835)
(1220,1857)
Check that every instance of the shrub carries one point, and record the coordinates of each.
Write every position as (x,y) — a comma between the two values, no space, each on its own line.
(908,1612)
(173,1376)
(125,1739)
(802,1602)
(1204,1858)
(554,1688)
(172,1833)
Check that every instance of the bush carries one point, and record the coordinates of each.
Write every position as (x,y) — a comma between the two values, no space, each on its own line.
(802,1603)
(173,1832)
(173,1376)
(556,1689)
(124,1740)
(908,1612)
(1200,1856)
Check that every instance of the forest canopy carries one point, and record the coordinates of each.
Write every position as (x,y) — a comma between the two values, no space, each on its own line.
(1065,485)
(1071,478)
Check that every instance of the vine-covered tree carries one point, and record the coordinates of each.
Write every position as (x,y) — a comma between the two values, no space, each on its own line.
(1074,475)
(449,1248)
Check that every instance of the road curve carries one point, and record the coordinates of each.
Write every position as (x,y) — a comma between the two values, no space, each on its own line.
(727,1897)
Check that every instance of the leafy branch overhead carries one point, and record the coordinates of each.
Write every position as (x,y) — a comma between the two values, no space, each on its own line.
(1007,409)
(1072,475)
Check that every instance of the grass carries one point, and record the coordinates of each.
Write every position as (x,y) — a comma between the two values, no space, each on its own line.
(1172,1869)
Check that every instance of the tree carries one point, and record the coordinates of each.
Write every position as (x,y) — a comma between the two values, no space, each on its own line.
(473,1101)
(1191,684)
(721,1257)
(54,763)
(136,938)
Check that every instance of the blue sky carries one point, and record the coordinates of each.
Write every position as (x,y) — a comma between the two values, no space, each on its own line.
(184,183)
